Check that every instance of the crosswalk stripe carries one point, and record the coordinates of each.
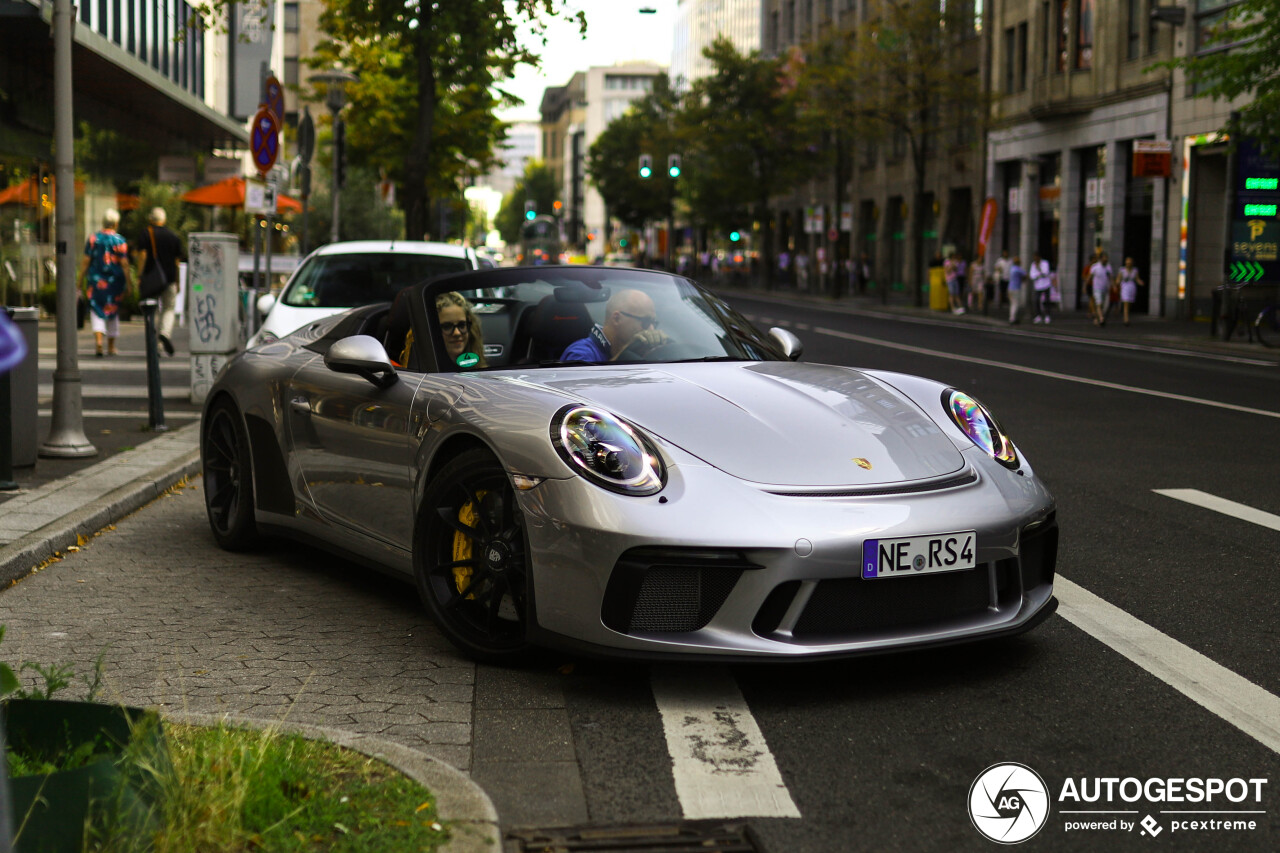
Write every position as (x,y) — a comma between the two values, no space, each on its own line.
(1222,505)
(1232,697)
(116,413)
(119,392)
(720,761)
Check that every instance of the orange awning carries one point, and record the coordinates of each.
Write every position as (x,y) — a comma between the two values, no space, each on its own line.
(230,193)
(29,192)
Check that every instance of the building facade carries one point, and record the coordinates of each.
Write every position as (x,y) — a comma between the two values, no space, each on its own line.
(701,22)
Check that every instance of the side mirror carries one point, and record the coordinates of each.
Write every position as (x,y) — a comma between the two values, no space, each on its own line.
(364,356)
(791,346)
(266,302)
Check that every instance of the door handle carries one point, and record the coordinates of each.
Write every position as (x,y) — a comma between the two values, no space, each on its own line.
(300,405)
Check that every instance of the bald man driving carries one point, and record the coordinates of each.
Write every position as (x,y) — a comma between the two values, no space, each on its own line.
(630,325)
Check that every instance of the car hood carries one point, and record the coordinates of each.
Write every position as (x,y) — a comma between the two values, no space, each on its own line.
(776,423)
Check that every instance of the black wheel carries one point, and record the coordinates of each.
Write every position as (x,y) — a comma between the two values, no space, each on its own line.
(228,478)
(1267,326)
(470,559)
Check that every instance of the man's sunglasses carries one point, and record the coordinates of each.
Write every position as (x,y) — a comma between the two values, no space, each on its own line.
(644,321)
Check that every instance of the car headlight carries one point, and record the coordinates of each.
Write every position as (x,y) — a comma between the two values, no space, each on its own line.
(607,450)
(977,422)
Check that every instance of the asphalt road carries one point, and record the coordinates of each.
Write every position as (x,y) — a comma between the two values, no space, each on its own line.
(1177,679)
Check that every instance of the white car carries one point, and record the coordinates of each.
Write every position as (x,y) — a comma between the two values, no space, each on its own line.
(346,275)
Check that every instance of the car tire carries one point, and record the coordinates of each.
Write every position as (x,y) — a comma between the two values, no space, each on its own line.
(228,478)
(471,559)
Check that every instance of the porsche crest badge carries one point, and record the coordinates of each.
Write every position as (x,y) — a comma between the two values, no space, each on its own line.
(862,463)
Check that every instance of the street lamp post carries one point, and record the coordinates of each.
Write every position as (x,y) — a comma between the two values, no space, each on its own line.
(335,99)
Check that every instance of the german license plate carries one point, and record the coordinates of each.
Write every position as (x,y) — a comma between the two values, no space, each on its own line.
(918,555)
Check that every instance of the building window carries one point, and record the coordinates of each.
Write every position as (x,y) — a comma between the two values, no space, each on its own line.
(1046,27)
(1133,47)
(1084,34)
(1062,26)
(1022,57)
(1208,15)
(1010,59)
(291,24)
(291,71)
(1153,29)
(773,32)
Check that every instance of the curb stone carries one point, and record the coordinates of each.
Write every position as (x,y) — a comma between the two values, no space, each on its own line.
(19,557)
(472,818)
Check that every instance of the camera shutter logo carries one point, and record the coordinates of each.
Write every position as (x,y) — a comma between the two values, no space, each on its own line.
(1008,803)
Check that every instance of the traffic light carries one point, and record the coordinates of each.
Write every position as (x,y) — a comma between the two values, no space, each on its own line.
(530,210)
(673,165)
(646,165)
(734,236)
(556,205)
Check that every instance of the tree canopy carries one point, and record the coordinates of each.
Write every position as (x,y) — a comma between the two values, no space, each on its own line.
(430,84)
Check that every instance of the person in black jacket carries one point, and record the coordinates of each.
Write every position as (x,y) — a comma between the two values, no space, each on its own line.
(159,245)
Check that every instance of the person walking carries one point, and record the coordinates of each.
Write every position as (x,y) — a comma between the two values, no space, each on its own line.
(953,271)
(1001,273)
(1041,283)
(1129,282)
(1016,276)
(161,247)
(106,275)
(1100,275)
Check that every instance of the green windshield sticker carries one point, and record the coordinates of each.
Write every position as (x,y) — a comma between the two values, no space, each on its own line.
(468,359)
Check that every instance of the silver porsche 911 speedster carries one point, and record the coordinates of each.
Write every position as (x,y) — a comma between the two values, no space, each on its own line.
(614,460)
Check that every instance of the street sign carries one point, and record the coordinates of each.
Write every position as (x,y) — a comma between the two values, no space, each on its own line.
(273,97)
(264,139)
(259,197)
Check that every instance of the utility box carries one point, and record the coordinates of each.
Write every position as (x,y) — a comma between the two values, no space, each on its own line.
(213,303)
(23,381)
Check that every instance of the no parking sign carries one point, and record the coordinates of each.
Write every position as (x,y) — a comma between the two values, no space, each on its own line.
(264,139)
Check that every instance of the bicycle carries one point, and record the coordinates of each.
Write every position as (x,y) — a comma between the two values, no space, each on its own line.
(1241,314)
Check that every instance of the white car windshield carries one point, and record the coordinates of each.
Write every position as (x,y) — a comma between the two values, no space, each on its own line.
(350,280)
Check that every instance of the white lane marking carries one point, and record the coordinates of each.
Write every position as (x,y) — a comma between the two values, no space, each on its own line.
(1049,374)
(1222,505)
(1232,697)
(721,763)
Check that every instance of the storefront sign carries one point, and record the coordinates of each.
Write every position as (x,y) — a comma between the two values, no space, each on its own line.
(1152,158)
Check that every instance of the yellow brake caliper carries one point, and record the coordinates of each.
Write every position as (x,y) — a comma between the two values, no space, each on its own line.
(463,546)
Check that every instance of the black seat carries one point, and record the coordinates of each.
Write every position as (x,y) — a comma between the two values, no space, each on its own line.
(553,325)
(398,323)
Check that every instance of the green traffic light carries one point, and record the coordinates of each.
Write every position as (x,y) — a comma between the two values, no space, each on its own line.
(645,171)
(530,215)
(734,236)
(674,171)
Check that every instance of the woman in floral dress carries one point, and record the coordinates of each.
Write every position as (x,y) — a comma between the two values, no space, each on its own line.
(105,271)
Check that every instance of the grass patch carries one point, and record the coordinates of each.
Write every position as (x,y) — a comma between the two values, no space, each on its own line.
(230,789)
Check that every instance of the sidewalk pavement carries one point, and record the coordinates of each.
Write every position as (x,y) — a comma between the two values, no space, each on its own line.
(47,517)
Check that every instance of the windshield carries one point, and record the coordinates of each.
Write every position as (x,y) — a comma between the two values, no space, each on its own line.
(351,280)
(556,316)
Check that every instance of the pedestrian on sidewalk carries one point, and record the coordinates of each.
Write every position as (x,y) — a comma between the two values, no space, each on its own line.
(1016,276)
(1041,283)
(1129,282)
(1001,273)
(977,286)
(160,246)
(953,270)
(1100,275)
(106,275)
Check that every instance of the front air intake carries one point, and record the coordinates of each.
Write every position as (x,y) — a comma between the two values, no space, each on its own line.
(670,590)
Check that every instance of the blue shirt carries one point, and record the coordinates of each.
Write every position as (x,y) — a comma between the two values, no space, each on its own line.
(594,347)
(1016,275)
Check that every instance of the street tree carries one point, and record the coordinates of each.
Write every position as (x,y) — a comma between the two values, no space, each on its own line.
(907,72)
(648,127)
(538,185)
(1242,64)
(746,140)
(430,83)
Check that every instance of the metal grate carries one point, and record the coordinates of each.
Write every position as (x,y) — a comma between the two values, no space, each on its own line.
(683,837)
(852,606)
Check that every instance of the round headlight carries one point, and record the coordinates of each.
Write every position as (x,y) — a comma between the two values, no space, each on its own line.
(607,450)
(980,425)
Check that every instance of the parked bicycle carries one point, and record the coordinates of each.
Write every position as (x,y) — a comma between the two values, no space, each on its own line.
(1252,310)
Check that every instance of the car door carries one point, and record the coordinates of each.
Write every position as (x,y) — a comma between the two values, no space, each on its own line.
(351,441)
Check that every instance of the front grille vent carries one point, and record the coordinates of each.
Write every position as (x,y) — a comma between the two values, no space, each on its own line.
(962,479)
(670,590)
